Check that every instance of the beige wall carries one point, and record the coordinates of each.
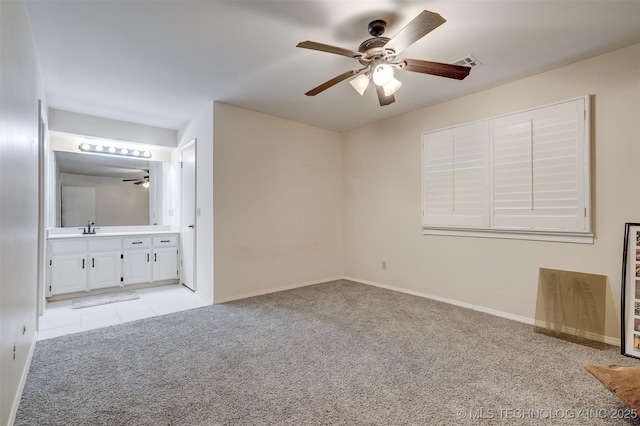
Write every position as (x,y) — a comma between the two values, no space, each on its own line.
(89,125)
(20,89)
(278,203)
(382,195)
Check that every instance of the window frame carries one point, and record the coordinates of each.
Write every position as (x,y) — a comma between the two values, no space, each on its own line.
(582,233)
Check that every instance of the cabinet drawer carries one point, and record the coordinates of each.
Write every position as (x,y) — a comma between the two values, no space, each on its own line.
(67,247)
(102,244)
(136,243)
(165,241)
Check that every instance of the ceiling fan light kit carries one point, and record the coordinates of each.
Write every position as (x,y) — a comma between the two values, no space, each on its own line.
(392,87)
(360,83)
(382,74)
(378,55)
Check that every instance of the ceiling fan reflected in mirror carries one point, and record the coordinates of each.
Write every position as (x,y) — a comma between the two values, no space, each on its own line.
(378,55)
(144,181)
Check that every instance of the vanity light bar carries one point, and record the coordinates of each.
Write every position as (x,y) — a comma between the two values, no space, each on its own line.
(112,150)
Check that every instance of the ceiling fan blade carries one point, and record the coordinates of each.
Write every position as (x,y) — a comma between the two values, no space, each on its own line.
(335,80)
(384,99)
(458,72)
(421,25)
(329,49)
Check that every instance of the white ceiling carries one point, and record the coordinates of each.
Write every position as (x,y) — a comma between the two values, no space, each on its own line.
(160,62)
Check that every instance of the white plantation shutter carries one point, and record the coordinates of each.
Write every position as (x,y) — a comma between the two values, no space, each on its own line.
(454,176)
(522,172)
(538,169)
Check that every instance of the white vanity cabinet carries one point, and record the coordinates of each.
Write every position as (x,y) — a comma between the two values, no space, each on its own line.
(165,257)
(96,262)
(136,262)
(68,266)
(105,264)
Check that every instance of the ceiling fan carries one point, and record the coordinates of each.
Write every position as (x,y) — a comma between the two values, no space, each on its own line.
(378,55)
(144,181)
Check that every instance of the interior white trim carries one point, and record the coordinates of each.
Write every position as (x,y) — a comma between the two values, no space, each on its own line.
(586,238)
(203,296)
(519,318)
(23,381)
(587,335)
(275,290)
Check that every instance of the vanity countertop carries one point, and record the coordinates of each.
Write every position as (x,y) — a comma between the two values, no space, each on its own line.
(64,233)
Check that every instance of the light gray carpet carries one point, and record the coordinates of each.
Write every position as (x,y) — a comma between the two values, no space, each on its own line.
(334,353)
(103,299)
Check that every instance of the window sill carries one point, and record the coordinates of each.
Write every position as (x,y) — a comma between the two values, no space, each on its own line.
(561,237)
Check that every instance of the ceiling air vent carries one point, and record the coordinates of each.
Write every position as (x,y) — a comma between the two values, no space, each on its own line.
(468,61)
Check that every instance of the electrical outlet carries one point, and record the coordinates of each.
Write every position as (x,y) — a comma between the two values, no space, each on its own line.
(384,265)
(14,351)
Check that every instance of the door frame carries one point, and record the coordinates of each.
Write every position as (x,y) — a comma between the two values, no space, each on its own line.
(183,221)
(43,210)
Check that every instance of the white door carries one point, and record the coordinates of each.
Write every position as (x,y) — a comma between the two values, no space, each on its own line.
(188,214)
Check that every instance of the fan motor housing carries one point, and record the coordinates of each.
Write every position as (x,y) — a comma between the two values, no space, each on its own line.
(372,47)
(376,28)
(372,42)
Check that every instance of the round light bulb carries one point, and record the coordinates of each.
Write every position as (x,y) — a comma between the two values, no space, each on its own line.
(382,74)
(124,151)
(112,149)
(136,152)
(85,147)
(98,147)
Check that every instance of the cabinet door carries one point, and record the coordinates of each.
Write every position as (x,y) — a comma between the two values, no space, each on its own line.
(136,266)
(165,263)
(68,273)
(105,270)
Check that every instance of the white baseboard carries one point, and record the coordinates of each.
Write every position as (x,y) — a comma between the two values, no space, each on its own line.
(587,335)
(274,290)
(23,381)
(519,318)
(207,298)
(507,315)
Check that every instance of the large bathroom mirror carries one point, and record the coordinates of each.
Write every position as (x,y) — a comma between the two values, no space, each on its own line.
(109,190)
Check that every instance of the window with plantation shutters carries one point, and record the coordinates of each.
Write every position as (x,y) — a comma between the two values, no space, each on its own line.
(454,175)
(524,174)
(538,168)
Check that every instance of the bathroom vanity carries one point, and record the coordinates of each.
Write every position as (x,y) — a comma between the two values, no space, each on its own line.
(112,257)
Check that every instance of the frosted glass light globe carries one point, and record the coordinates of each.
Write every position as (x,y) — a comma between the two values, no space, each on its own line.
(360,83)
(392,87)
(382,74)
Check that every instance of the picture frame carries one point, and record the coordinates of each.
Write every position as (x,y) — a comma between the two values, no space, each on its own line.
(630,309)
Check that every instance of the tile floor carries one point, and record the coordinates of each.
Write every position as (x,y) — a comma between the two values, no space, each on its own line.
(60,319)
